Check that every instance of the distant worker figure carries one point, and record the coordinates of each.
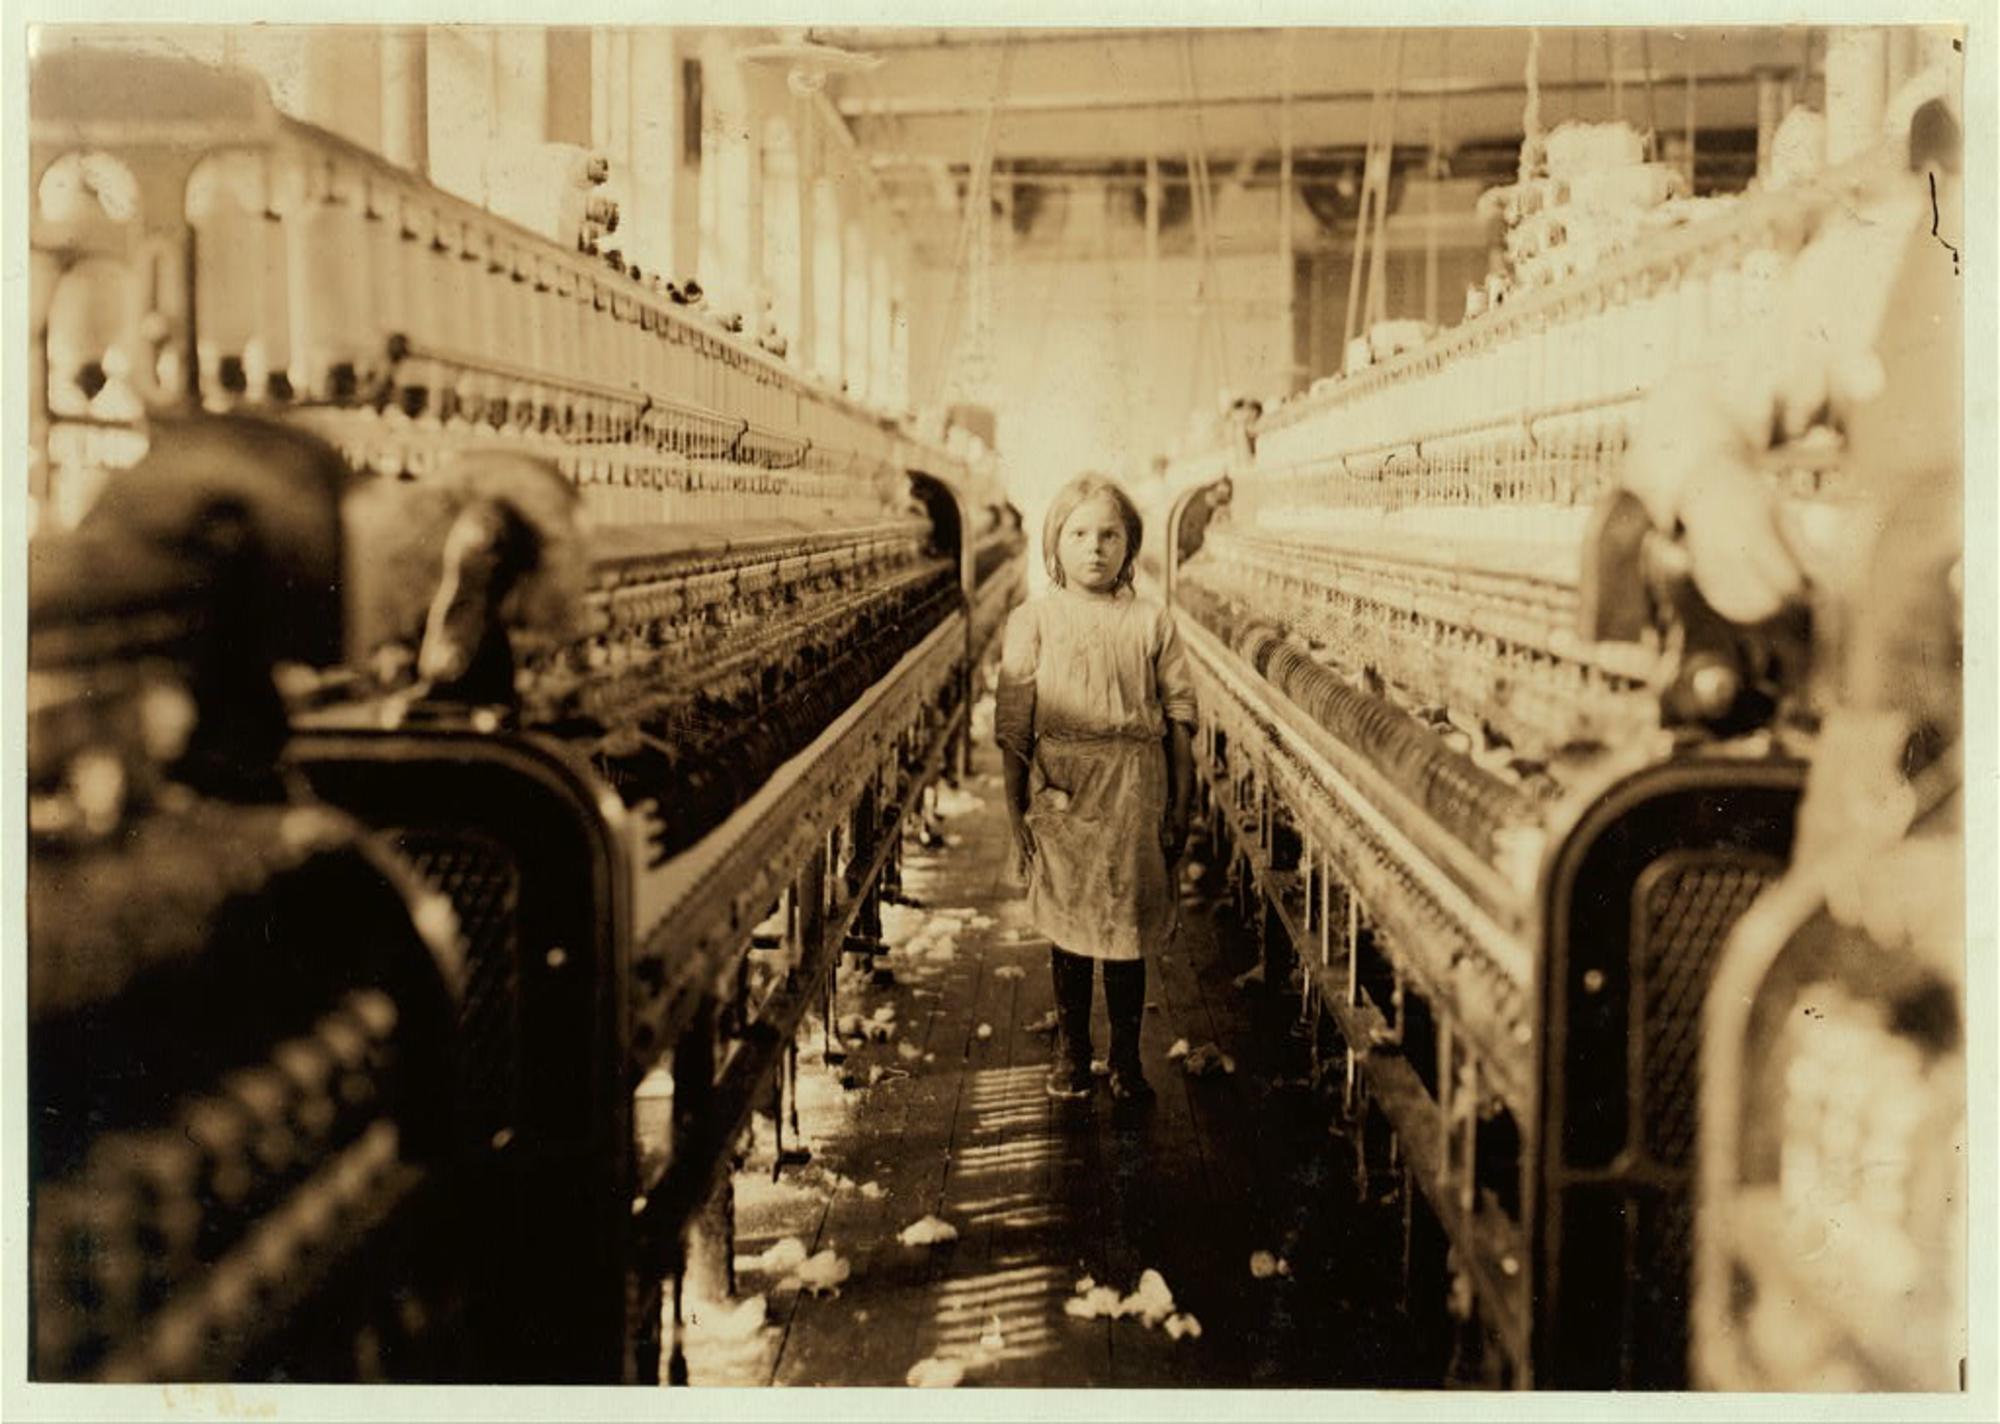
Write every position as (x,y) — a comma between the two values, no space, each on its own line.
(1094,717)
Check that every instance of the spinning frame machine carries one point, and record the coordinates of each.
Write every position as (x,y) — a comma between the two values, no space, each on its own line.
(696,636)
(1495,784)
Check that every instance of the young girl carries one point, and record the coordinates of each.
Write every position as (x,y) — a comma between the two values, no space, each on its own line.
(1093,717)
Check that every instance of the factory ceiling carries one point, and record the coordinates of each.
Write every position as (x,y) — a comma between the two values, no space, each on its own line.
(1059,106)
(1123,94)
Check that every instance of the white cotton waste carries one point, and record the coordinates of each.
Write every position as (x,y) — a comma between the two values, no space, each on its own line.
(1264,1265)
(1093,1303)
(872,1190)
(908,1051)
(880,1030)
(901,922)
(784,1257)
(1183,1327)
(953,840)
(957,801)
(936,942)
(924,949)
(1010,971)
(1206,1060)
(1151,1302)
(823,1273)
(738,1324)
(931,936)
(934,1373)
(885,1014)
(985,1031)
(1178,1051)
(851,1026)
(1248,977)
(1048,1022)
(930,1231)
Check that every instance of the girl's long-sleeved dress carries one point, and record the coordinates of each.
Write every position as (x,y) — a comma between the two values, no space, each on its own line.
(1088,683)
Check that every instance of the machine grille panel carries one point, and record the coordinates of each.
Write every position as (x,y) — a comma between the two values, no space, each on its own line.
(1685,917)
(483,882)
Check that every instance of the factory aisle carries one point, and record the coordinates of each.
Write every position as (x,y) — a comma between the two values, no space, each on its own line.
(937,1114)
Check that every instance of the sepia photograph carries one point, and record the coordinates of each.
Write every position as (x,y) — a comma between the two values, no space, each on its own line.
(1163,703)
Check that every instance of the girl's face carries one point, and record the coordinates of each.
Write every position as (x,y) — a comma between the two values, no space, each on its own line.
(1091,548)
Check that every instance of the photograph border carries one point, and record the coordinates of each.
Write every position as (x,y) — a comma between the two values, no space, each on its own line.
(22,1400)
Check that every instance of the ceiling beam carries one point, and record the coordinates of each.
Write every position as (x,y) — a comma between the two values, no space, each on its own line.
(1413,91)
(1149,63)
(1118,131)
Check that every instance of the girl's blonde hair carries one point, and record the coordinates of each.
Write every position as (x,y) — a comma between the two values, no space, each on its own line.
(1076,492)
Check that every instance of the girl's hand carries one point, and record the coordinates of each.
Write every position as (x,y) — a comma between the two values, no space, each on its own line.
(1024,839)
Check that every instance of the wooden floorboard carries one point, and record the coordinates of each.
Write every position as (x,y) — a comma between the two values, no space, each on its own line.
(1217,1115)
(900,1141)
(1043,1193)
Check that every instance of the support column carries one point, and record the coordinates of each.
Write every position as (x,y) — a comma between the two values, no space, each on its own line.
(731,247)
(1287,346)
(1856,90)
(854,277)
(828,278)
(783,223)
(899,325)
(879,391)
(652,93)
(406,99)
(687,152)
(748,138)
(805,134)
(614,81)
(1775,89)
(343,82)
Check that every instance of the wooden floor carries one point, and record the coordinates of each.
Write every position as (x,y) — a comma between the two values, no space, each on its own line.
(948,1118)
